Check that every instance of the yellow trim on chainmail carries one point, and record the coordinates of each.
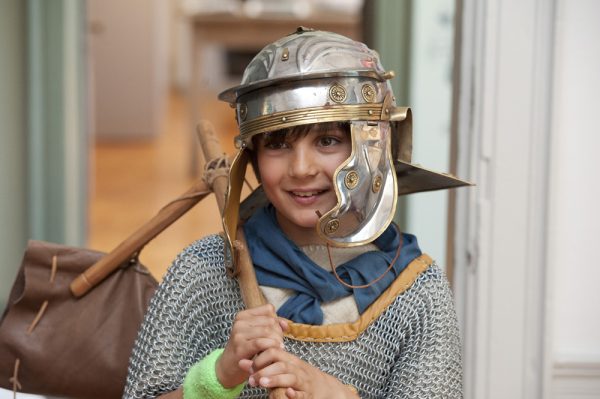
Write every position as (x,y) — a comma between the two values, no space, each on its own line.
(350,331)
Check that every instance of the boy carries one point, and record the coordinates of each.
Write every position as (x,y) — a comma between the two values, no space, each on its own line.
(354,308)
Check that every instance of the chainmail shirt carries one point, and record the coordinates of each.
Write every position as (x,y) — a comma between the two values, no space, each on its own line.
(412,350)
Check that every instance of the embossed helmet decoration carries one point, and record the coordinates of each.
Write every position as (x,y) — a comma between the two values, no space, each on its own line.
(313,77)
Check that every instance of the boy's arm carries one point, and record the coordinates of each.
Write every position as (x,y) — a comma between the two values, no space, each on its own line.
(189,316)
(430,362)
(178,394)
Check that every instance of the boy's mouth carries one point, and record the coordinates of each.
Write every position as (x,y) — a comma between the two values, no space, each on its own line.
(306,193)
(307,198)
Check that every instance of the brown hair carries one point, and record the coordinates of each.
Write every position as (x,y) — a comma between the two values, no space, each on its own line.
(291,134)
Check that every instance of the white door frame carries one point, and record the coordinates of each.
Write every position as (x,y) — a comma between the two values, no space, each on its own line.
(503,113)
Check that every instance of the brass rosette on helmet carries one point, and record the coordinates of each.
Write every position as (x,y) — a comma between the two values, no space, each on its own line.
(313,77)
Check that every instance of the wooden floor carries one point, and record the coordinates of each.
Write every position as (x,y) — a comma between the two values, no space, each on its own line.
(133,180)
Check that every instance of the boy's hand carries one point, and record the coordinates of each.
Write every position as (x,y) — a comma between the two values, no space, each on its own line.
(254,331)
(276,368)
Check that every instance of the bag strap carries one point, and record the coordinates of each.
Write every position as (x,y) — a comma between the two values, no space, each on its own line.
(132,245)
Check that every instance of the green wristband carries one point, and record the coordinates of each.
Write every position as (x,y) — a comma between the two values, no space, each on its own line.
(201,380)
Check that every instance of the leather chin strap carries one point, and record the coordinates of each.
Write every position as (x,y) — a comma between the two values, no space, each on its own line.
(237,173)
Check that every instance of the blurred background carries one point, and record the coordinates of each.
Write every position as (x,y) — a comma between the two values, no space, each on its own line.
(99,100)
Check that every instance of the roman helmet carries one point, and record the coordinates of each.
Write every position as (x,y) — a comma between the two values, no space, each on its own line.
(315,76)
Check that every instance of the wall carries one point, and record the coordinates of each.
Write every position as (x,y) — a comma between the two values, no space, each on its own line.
(430,97)
(415,39)
(56,136)
(574,227)
(503,125)
(43,141)
(13,173)
(129,58)
(526,284)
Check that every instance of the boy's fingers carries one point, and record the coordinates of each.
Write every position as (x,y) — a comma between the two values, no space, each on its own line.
(258,326)
(291,394)
(271,356)
(283,323)
(266,310)
(264,321)
(287,380)
(263,344)
(246,365)
(260,332)
(253,347)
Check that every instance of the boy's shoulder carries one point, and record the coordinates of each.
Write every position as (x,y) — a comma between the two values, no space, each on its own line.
(431,285)
(198,272)
(427,272)
(205,255)
(207,247)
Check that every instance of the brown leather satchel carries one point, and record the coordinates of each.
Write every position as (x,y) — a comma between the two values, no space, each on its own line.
(73,314)
(55,344)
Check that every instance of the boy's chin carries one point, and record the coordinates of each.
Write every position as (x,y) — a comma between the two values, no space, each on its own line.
(306,224)
(302,222)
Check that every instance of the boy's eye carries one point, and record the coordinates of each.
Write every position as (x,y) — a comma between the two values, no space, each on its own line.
(276,145)
(327,141)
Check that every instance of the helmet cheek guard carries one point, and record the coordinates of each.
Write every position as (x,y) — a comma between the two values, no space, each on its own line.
(366,188)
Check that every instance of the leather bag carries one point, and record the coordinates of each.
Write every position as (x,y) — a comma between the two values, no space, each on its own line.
(53,343)
(73,314)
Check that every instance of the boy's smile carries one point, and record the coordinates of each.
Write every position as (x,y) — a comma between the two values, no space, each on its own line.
(306,197)
(297,176)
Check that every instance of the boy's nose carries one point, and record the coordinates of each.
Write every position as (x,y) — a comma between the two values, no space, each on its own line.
(303,162)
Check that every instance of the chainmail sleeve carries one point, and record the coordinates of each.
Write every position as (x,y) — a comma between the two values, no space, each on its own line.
(185,320)
(429,363)
(411,350)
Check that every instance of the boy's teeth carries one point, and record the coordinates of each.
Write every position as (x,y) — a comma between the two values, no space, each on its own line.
(306,194)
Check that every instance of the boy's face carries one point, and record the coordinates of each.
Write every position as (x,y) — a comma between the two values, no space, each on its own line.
(297,177)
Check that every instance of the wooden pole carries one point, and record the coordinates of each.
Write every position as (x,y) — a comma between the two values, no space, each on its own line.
(135,242)
(246,277)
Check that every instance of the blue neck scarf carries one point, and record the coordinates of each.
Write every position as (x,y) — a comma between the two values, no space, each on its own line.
(279,263)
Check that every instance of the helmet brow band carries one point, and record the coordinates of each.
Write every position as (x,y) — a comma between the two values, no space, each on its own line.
(282,120)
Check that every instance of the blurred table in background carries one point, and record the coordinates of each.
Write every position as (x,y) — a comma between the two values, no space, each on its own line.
(241,31)
(248,34)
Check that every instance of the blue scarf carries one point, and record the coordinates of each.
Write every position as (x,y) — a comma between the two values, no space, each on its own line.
(279,263)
